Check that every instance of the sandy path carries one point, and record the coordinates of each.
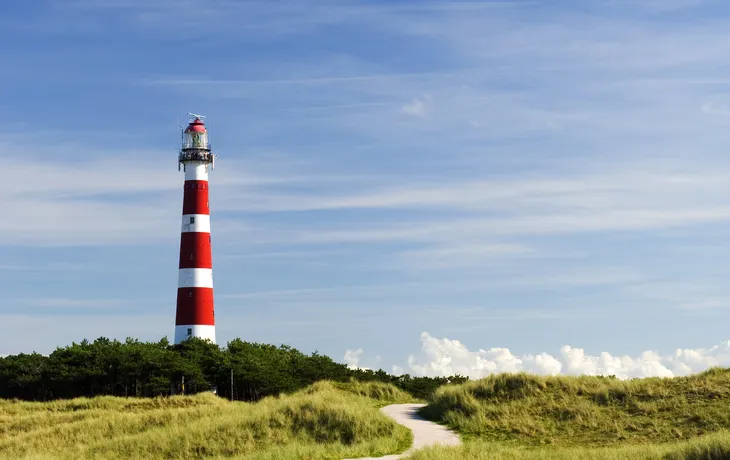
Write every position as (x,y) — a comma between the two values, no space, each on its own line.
(425,433)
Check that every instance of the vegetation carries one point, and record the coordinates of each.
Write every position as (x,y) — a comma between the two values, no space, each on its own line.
(322,422)
(383,393)
(309,406)
(520,416)
(148,369)
(710,447)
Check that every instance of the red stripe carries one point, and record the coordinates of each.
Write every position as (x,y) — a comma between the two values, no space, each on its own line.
(195,306)
(195,197)
(195,250)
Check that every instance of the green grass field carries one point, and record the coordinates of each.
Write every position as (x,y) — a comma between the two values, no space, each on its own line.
(522,416)
(709,447)
(325,421)
(504,416)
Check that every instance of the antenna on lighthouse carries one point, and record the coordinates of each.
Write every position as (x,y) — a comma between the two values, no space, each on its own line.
(199,117)
(179,128)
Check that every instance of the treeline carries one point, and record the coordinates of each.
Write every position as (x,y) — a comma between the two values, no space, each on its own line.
(241,370)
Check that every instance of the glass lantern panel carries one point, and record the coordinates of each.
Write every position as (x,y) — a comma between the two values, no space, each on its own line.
(195,140)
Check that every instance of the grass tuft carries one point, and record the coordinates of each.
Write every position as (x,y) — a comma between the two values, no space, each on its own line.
(593,411)
(711,447)
(322,422)
(383,393)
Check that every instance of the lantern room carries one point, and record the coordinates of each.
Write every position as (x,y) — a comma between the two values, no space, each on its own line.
(195,143)
(195,135)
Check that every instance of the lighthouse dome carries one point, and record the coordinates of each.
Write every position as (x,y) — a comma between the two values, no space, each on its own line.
(196,126)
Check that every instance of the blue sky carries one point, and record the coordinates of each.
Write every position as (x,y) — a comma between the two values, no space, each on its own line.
(410,184)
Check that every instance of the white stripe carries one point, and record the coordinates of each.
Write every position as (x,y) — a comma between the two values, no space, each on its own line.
(196,330)
(196,223)
(196,170)
(195,278)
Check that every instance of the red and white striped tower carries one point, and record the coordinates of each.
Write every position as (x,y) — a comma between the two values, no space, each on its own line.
(195,314)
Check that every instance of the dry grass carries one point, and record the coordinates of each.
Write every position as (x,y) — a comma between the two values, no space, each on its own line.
(383,393)
(321,422)
(520,416)
(585,411)
(711,447)
(504,416)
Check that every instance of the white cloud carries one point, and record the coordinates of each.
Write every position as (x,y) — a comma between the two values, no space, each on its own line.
(50,202)
(542,363)
(634,196)
(91,201)
(542,131)
(444,357)
(714,109)
(352,358)
(687,294)
(589,220)
(646,184)
(440,357)
(565,277)
(610,111)
(63,302)
(324,294)
(416,108)
(458,255)
(49,266)
(655,5)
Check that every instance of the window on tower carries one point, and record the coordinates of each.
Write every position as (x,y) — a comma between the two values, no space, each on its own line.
(192,219)
(190,331)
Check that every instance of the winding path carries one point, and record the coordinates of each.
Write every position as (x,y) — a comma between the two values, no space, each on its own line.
(425,433)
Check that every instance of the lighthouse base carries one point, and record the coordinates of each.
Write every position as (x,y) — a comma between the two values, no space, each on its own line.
(184,332)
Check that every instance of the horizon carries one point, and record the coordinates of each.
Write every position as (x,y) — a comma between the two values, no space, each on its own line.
(428,188)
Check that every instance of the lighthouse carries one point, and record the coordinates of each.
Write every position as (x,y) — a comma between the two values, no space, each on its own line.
(195,316)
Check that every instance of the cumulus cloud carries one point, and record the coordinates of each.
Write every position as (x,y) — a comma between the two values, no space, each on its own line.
(444,357)
(352,358)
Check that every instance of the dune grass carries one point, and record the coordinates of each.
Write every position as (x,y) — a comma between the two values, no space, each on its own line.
(325,421)
(585,411)
(715,446)
(382,393)
(521,416)
(506,416)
